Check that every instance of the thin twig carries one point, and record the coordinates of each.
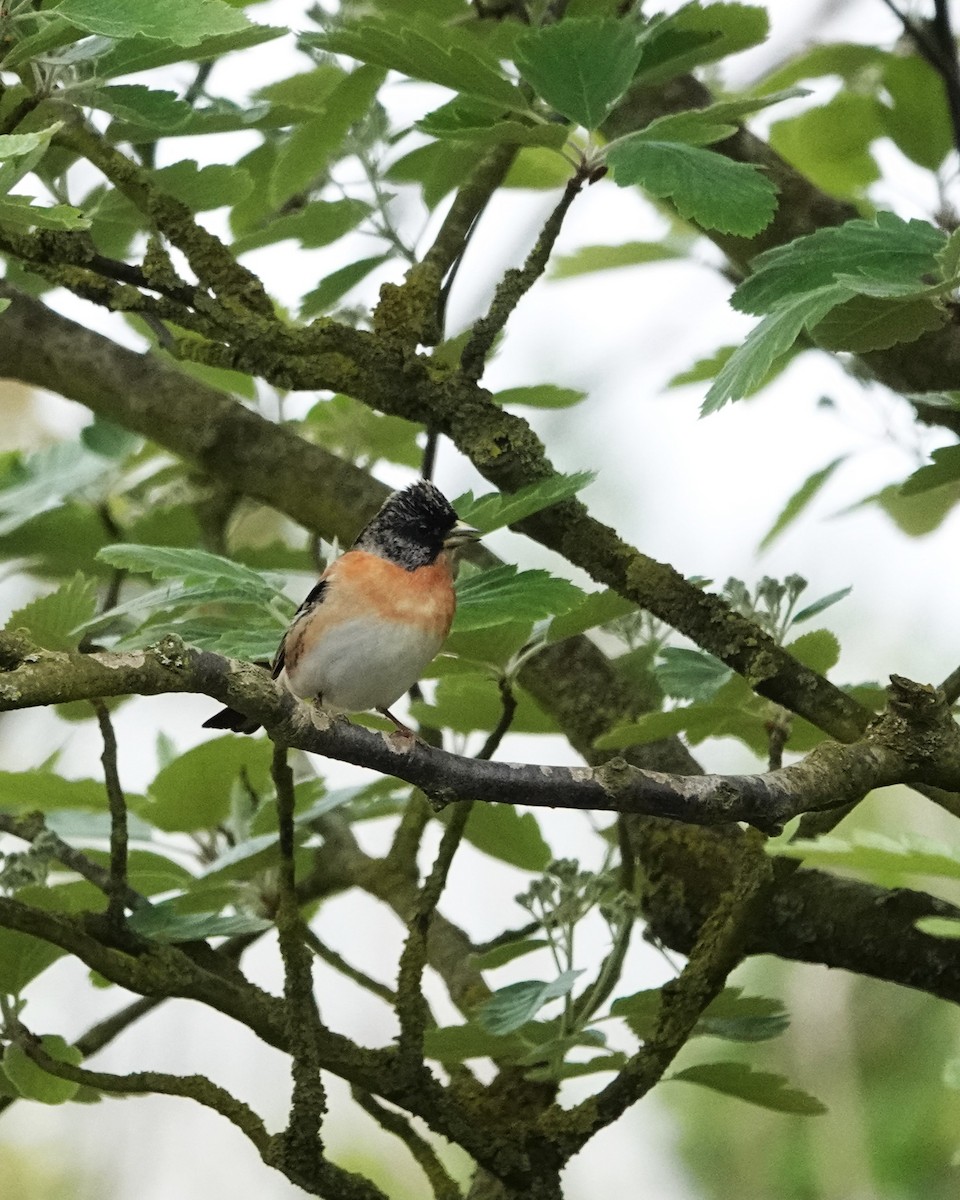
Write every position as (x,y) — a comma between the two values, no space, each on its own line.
(411,1005)
(508,710)
(514,286)
(116,896)
(339,963)
(444,1187)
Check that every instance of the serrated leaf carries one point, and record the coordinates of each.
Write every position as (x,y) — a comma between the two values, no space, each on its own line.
(167,20)
(32,1081)
(499,956)
(191,567)
(14,145)
(134,54)
(503,595)
(164,923)
(468,119)
(580,67)
(137,104)
(51,619)
(354,431)
(690,674)
(470,701)
(305,155)
(556,1072)
(798,502)
(866,323)
(698,34)
(498,509)
(588,259)
(543,395)
(765,343)
(730,1015)
(433,53)
(756,1087)
(334,286)
(819,650)
(945,468)
(704,187)
(887,249)
(513,1006)
(512,837)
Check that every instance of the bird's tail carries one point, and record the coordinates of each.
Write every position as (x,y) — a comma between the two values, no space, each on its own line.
(229,718)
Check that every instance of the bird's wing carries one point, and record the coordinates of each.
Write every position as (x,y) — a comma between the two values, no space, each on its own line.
(314,597)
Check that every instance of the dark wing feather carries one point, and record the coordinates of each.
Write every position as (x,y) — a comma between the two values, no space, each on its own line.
(313,598)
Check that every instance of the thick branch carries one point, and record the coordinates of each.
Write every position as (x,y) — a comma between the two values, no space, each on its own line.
(831,776)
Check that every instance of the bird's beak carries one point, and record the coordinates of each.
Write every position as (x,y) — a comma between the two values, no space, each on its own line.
(460,535)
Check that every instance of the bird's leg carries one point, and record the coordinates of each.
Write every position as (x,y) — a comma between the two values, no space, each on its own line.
(403,730)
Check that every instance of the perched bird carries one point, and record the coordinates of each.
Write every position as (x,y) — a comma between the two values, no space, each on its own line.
(378,614)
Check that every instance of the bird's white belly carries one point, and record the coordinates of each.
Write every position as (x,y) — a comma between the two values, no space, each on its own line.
(363,664)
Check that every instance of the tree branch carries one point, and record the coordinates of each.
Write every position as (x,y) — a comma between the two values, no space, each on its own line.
(918,742)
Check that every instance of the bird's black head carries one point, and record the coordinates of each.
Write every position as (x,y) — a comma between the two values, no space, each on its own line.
(414,526)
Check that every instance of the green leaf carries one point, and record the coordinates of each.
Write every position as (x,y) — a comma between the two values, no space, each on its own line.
(917,119)
(943,927)
(51,619)
(945,468)
(704,187)
(459,1043)
(52,34)
(148,872)
(4,305)
(431,52)
(698,34)
(819,650)
(580,67)
(606,258)
(830,144)
(31,1081)
(334,286)
(319,224)
(690,674)
(185,22)
(543,395)
(192,568)
(22,213)
(47,792)
(145,53)
(821,605)
(500,955)
(505,834)
(354,431)
(193,792)
(756,1087)
(467,702)
(891,860)
(498,509)
(730,1015)
(556,1072)
(886,249)
(204,188)
(165,923)
(513,1006)
(799,501)
(596,608)
(865,323)
(15,145)
(771,339)
(139,105)
(467,119)
(23,958)
(503,595)
(848,60)
(919,514)
(305,155)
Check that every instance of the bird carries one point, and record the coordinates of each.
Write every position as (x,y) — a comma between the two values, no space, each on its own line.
(378,614)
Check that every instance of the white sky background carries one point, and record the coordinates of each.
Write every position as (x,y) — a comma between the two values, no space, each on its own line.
(699,494)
